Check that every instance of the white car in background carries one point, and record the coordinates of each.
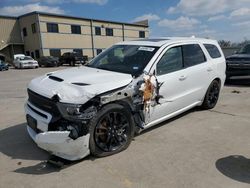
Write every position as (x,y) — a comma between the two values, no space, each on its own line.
(128,88)
(21,61)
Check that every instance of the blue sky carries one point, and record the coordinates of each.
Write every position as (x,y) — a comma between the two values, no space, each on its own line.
(219,19)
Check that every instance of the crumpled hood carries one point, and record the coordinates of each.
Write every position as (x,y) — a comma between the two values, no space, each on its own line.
(78,85)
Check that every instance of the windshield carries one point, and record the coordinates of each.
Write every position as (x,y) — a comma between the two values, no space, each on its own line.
(129,59)
(26,58)
(245,50)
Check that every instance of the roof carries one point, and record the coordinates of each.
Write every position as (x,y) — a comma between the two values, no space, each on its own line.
(8,17)
(160,41)
(143,23)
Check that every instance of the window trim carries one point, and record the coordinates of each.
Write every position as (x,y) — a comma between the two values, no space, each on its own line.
(33,28)
(97,27)
(194,43)
(153,66)
(204,44)
(111,29)
(144,34)
(161,56)
(76,26)
(50,23)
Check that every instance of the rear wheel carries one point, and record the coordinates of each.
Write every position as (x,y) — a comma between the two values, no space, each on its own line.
(212,95)
(111,131)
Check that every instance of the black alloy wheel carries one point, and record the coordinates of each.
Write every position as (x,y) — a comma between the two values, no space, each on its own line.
(111,131)
(212,95)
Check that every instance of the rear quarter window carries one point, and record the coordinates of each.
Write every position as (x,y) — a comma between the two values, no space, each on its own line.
(193,55)
(213,50)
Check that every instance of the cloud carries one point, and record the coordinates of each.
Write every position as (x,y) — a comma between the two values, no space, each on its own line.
(99,2)
(181,23)
(149,17)
(205,7)
(244,25)
(240,13)
(217,18)
(23,9)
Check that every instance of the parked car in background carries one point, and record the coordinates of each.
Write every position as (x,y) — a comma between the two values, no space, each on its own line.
(238,64)
(128,88)
(3,66)
(48,61)
(22,61)
(72,58)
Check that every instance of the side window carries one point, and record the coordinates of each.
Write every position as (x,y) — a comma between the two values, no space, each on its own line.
(193,55)
(212,50)
(171,61)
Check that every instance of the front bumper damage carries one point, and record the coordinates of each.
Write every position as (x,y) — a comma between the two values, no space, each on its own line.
(56,136)
(56,142)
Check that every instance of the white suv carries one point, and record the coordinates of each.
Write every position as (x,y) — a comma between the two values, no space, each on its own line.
(129,87)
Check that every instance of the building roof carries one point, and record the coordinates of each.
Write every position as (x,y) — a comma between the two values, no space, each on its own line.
(143,23)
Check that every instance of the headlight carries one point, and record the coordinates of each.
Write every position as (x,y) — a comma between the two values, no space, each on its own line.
(75,111)
(69,111)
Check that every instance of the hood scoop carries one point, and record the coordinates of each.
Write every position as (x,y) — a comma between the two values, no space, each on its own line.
(56,78)
(80,84)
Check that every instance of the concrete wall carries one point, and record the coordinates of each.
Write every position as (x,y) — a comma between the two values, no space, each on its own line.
(9,32)
(66,41)
(32,40)
(12,29)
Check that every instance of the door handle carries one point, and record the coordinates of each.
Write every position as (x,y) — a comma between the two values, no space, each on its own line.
(182,78)
(209,69)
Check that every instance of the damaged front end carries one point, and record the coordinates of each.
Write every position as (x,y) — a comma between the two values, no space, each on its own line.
(60,128)
(63,128)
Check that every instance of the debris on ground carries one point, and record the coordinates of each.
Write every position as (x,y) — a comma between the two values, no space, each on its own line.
(236,91)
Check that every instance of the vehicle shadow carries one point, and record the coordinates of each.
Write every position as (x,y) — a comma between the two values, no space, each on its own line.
(17,144)
(236,167)
(238,81)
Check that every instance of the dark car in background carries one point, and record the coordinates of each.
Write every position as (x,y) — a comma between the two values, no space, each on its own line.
(72,58)
(3,66)
(48,61)
(238,64)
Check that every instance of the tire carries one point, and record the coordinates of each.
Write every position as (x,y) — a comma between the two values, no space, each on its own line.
(106,136)
(212,96)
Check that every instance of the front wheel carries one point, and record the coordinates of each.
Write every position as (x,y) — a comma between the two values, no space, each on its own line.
(111,131)
(211,96)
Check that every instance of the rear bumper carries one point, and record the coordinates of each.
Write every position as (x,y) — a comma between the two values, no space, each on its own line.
(56,142)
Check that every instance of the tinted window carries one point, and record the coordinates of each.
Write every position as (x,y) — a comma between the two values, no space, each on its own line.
(52,27)
(24,32)
(97,31)
(55,52)
(78,52)
(212,50)
(109,32)
(193,55)
(130,59)
(76,29)
(141,34)
(171,61)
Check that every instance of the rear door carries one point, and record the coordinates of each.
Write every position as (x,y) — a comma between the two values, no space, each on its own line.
(198,72)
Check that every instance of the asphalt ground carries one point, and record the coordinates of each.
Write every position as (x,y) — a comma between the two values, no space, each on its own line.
(196,149)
